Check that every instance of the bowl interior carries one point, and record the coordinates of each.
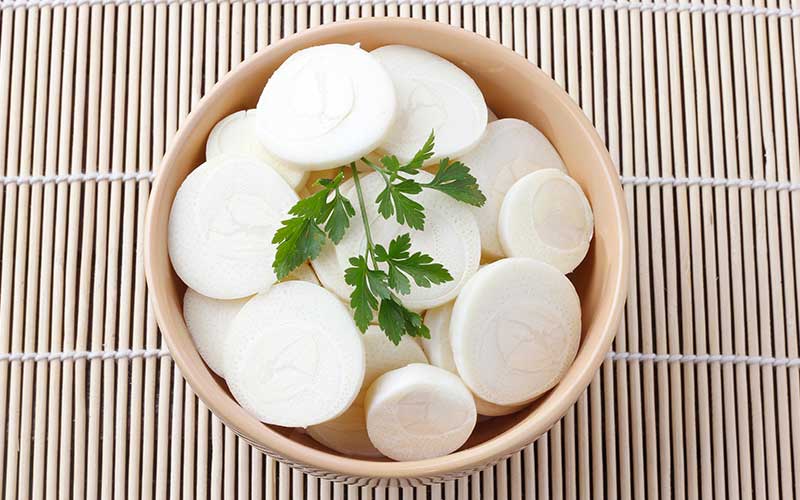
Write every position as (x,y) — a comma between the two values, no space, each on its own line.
(513,88)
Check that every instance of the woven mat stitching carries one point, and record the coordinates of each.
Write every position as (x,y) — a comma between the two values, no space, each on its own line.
(580,4)
(626,180)
(634,357)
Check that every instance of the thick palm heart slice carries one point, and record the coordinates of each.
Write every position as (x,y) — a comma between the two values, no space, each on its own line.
(326,106)
(209,321)
(418,412)
(347,433)
(221,227)
(437,348)
(303,273)
(440,353)
(294,357)
(515,330)
(432,94)
(237,134)
(546,216)
(509,150)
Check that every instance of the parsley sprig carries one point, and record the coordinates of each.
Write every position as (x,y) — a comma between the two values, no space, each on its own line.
(301,238)
(382,274)
(452,178)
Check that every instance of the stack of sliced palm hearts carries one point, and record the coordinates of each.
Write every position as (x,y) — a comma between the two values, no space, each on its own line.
(500,334)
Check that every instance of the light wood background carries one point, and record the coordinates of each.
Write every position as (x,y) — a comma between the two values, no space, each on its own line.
(698,103)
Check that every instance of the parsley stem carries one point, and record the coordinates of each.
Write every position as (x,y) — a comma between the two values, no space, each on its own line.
(376,168)
(363,207)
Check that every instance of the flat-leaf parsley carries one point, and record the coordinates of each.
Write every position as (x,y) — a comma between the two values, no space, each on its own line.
(381,273)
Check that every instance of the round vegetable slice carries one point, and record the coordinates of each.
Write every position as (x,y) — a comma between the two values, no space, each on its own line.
(208,321)
(326,106)
(432,94)
(237,134)
(437,348)
(509,150)
(440,353)
(221,227)
(450,237)
(515,330)
(294,357)
(303,273)
(347,433)
(546,216)
(418,412)
(330,272)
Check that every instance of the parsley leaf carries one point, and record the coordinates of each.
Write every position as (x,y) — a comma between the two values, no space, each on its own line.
(413,167)
(301,238)
(395,320)
(453,179)
(369,285)
(423,155)
(419,266)
(391,163)
(361,299)
(338,215)
(393,200)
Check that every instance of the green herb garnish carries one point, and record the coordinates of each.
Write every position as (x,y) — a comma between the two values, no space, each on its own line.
(381,273)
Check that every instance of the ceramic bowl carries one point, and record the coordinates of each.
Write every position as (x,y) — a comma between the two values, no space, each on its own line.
(513,87)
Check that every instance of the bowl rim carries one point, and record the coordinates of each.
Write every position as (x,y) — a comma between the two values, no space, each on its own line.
(480,455)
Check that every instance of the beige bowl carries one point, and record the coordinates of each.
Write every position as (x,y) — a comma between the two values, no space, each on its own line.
(513,88)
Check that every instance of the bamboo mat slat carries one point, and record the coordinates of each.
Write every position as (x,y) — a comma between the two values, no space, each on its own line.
(698,102)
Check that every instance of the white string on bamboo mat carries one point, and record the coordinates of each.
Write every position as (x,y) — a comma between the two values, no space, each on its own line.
(580,4)
(711,181)
(640,357)
(628,180)
(629,357)
(87,355)
(70,178)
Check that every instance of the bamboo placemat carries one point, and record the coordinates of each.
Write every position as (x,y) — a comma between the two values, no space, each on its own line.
(698,103)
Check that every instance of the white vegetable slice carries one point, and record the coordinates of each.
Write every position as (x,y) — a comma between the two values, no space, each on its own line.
(294,357)
(221,227)
(418,412)
(450,237)
(509,150)
(330,272)
(433,94)
(347,433)
(237,134)
(437,348)
(208,321)
(515,330)
(489,409)
(303,273)
(440,353)
(546,216)
(383,355)
(326,106)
